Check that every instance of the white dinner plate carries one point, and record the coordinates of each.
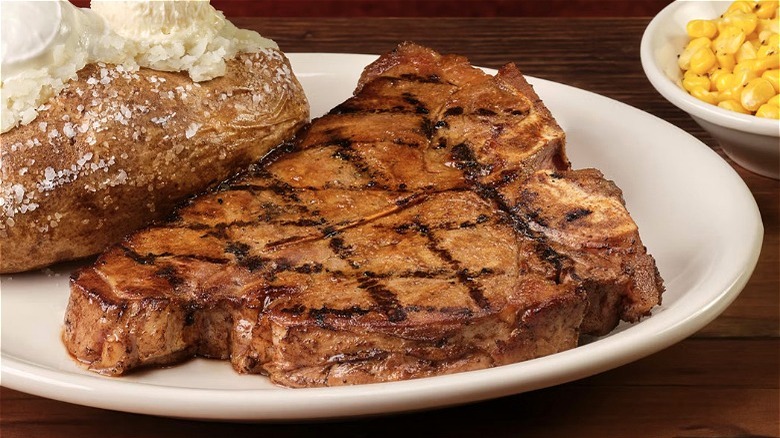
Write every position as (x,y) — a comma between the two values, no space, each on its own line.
(695,215)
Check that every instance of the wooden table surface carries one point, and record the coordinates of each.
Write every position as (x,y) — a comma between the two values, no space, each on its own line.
(722,381)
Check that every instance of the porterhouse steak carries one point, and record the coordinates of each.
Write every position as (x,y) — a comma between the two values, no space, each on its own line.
(429,224)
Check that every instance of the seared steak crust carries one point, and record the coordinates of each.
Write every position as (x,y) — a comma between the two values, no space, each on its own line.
(427,225)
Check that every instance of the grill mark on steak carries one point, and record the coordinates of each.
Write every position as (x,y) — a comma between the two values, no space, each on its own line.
(577,213)
(331,230)
(461,274)
(443,274)
(305,222)
(148,259)
(348,154)
(319,315)
(279,265)
(430,79)
(218,231)
(465,160)
(557,260)
(419,107)
(170,274)
(453,111)
(238,249)
(151,258)
(347,108)
(341,249)
(283,189)
(386,300)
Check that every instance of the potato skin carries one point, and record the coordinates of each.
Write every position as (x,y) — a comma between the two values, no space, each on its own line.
(116,150)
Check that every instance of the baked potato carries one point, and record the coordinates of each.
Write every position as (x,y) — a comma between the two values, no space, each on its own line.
(117,149)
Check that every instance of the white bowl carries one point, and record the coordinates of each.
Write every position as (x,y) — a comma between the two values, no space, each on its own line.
(752,142)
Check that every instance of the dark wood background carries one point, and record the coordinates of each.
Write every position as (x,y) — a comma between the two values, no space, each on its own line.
(435,8)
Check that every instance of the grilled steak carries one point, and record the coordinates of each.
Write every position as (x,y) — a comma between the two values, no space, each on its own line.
(428,225)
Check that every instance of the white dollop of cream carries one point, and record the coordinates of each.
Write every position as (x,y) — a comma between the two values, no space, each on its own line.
(180,35)
(39,34)
(44,45)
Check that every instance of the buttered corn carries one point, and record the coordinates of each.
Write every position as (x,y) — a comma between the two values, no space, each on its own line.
(733,61)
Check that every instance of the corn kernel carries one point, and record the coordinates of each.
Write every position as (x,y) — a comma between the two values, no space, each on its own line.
(765,50)
(773,41)
(746,51)
(767,62)
(766,9)
(733,93)
(726,61)
(728,40)
(705,95)
(745,71)
(719,79)
(703,61)
(701,28)
(743,7)
(768,111)
(690,74)
(757,92)
(773,76)
(764,36)
(746,22)
(767,28)
(774,101)
(684,61)
(690,82)
(733,105)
